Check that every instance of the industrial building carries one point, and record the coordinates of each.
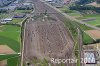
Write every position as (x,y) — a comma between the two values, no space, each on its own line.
(6,20)
(5,2)
(19,15)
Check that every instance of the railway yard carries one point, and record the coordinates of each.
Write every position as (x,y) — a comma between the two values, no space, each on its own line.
(50,33)
(47,39)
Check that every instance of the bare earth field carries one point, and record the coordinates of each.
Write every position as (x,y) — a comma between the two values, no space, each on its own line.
(4,49)
(3,63)
(94,33)
(48,39)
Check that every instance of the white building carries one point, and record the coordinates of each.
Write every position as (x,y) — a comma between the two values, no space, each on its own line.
(89,58)
(6,20)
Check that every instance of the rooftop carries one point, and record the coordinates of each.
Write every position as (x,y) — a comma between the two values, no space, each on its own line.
(90,58)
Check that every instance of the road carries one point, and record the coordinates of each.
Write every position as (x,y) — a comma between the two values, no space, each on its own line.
(47,38)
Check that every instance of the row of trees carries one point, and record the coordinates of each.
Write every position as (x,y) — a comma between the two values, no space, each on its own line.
(84,1)
(79,8)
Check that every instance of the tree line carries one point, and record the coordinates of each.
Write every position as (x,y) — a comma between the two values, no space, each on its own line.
(84,1)
(80,7)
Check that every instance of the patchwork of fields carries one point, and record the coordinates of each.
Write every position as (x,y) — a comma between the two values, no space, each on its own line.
(79,16)
(95,22)
(10,41)
(92,19)
(10,38)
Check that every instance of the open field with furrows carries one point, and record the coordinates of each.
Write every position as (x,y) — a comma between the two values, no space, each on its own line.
(46,40)
(10,44)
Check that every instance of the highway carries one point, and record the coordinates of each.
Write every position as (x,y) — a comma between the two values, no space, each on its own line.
(46,38)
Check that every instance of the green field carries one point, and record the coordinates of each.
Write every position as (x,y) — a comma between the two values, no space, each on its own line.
(72,25)
(12,60)
(65,9)
(75,14)
(17,20)
(3,15)
(87,39)
(10,35)
(79,16)
(94,22)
